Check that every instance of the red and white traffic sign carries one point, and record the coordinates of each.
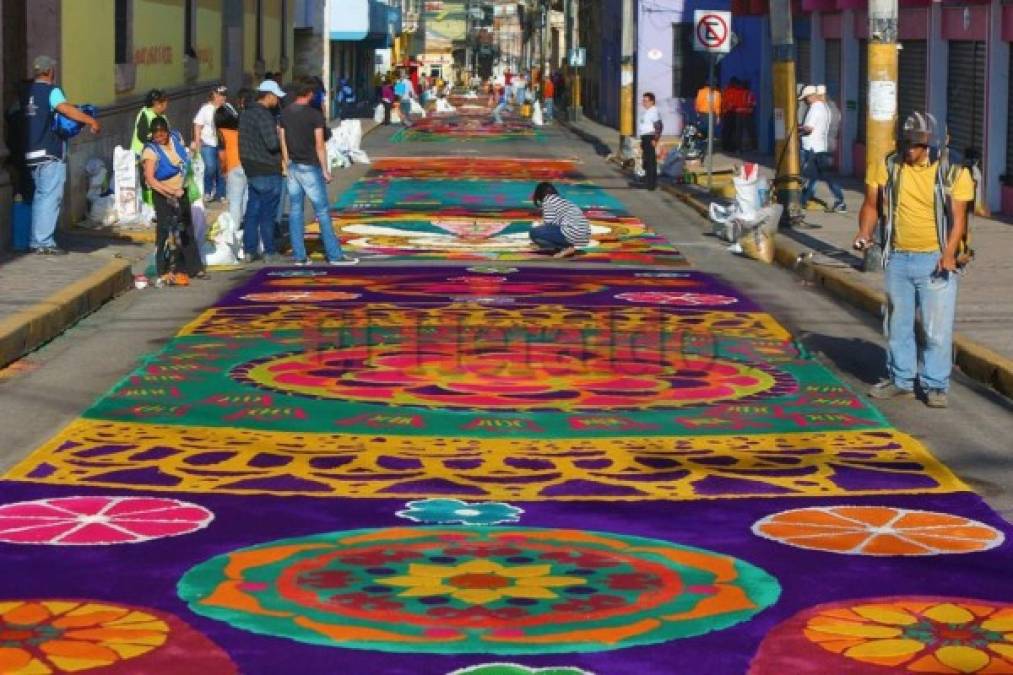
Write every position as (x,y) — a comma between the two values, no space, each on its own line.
(712,31)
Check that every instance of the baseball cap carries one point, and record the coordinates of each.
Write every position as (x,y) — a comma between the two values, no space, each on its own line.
(919,129)
(808,90)
(43,63)
(271,87)
(221,89)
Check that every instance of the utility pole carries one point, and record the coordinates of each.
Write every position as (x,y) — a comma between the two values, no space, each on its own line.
(572,44)
(325,38)
(546,39)
(788,182)
(881,113)
(626,111)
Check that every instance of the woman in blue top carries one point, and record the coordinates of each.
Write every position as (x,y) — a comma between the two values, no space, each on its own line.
(166,163)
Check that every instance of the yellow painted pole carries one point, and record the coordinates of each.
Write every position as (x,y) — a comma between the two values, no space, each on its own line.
(881,111)
(788,181)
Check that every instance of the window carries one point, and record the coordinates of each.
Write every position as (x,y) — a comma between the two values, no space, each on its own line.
(189,27)
(122,30)
(689,67)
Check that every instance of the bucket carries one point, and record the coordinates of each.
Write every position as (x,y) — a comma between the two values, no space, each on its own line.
(21,224)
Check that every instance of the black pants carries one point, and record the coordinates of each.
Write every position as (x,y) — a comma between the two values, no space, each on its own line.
(386,112)
(187,257)
(650,160)
(746,133)
(729,132)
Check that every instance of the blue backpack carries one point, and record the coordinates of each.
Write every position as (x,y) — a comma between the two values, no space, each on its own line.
(66,128)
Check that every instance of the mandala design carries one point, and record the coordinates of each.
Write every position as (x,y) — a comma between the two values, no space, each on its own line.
(91,520)
(682,299)
(456,512)
(903,634)
(878,531)
(517,669)
(469,590)
(534,376)
(300,296)
(38,637)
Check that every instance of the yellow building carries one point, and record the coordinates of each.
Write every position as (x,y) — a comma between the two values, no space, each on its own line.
(110,53)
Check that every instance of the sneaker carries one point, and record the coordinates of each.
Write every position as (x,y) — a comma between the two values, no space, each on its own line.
(839,207)
(302,263)
(936,398)
(886,389)
(343,260)
(50,250)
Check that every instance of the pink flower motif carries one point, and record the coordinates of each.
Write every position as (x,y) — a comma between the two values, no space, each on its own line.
(685,299)
(595,603)
(364,601)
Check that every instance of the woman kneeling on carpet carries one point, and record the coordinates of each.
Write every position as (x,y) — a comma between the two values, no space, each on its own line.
(564,226)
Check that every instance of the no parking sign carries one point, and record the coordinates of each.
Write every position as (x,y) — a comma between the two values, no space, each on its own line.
(712,31)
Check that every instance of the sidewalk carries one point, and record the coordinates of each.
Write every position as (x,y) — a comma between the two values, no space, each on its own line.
(822,254)
(42,296)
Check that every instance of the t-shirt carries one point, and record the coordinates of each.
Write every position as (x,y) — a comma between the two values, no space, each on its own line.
(647,119)
(570,219)
(230,138)
(915,222)
(206,118)
(176,182)
(299,123)
(818,119)
(56,97)
(549,89)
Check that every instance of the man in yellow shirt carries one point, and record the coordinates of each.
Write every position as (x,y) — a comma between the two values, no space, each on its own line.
(707,100)
(925,205)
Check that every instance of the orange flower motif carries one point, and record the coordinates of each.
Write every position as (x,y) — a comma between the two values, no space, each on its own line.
(47,636)
(919,636)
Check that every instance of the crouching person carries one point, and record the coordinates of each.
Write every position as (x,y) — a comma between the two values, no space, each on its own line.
(564,226)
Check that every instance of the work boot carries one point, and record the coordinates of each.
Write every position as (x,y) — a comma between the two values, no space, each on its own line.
(885,389)
(936,398)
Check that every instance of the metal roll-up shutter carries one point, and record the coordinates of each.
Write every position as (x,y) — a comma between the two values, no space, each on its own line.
(802,61)
(863,88)
(832,70)
(1009,128)
(965,95)
(913,72)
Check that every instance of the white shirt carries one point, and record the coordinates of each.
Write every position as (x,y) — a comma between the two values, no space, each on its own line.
(818,119)
(206,118)
(647,119)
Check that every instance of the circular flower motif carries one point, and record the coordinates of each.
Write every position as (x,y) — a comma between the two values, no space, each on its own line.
(300,296)
(46,636)
(461,590)
(481,269)
(536,376)
(683,299)
(517,669)
(905,634)
(95,519)
(877,531)
(454,511)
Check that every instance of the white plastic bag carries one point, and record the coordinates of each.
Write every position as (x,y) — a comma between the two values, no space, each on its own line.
(359,156)
(224,244)
(197,166)
(103,211)
(353,131)
(536,114)
(96,171)
(378,113)
(746,182)
(125,187)
(417,109)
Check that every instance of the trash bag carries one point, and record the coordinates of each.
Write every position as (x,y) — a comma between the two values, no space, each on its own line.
(195,181)
(536,114)
(223,244)
(674,165)
(758,244)
(103,210)
(353,129)
(417,109)
(378,113)
(359,156)
(125,186)
(746,182)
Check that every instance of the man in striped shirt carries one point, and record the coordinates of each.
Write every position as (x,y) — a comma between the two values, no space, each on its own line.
(564,226)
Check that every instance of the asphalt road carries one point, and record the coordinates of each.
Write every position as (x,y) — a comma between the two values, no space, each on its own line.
(973,436)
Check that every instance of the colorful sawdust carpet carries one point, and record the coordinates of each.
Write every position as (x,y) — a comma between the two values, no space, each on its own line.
(410,214)
(306,475)
(470,125)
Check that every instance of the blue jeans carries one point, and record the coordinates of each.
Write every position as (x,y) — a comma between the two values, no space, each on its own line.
(816,168)
(235,189)
(548,108)
(214,183)
(912,283)
(263,193)
(49,181)
(307,180)
(549,237)
(497,112)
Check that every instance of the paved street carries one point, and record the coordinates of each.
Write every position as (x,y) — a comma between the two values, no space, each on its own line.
(647,506)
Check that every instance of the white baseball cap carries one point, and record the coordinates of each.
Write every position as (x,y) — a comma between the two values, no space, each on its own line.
(808,90)
(271,87)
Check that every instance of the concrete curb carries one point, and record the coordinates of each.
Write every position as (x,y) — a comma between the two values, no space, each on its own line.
(28,329)
(976,361)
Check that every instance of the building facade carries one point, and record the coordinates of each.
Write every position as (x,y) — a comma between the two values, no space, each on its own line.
(110,53)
